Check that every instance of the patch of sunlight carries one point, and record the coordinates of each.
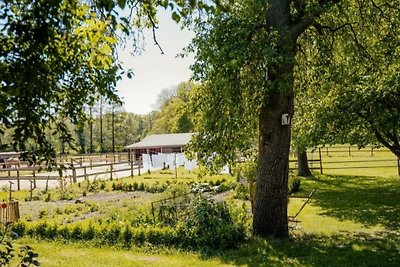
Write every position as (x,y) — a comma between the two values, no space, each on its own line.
(312,222)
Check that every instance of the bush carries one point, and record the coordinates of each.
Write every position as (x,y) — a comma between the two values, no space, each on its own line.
(208,225)
(241,192)
(135,186)
(295,186)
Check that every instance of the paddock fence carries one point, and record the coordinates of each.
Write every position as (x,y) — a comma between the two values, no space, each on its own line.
(73,169)
(342,158)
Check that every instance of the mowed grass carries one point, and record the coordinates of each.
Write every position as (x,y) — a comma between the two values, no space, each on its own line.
(55,254)
(350,221)
(350,160)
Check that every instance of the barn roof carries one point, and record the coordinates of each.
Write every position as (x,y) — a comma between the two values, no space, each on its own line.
(162,140)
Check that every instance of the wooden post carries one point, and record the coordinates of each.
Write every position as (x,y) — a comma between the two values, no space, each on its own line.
(139,165)
(31,191)
(111,171)
(349,151)
(398,166)
(10,190)
(84,173)
(327,151)
(176,167)
(18,181)
(34,178)
(131,163)
(320,161)
(74,174)
(372,151)
(91,163)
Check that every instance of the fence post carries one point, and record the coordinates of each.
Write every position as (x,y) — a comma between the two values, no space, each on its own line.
(398,166)
(73,173)
(131,163)
(139,165)
(10,196)
(372,151)
(31,191)
(327,151)
(111,171)
(34,178)
(84,173)
(18,181)
(349,151)
(320,160)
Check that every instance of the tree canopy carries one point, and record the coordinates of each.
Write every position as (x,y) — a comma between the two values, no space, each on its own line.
(253,58)
(56,58)
(173,115)
(348,92)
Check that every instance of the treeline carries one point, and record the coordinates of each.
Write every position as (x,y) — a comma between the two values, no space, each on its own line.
(108,127)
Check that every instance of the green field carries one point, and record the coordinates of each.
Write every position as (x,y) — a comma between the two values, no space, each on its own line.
(350,221)
(351,160)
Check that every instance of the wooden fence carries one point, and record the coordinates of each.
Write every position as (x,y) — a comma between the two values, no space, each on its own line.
(73,170)
(9,212)
(349,157)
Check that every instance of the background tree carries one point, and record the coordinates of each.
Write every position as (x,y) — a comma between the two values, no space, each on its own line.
(56,56)
(355,98)
(173,114)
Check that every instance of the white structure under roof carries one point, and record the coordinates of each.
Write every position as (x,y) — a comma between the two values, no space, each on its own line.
(160,143)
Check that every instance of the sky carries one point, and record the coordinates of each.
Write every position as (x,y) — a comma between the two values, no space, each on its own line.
(154,71)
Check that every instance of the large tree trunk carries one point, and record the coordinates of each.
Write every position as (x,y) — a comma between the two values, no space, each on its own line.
(302,163)
(270,210)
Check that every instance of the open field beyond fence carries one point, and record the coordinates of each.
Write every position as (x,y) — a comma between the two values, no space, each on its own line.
(350,160)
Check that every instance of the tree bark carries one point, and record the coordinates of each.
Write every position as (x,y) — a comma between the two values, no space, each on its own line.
(270,210)
(302,163)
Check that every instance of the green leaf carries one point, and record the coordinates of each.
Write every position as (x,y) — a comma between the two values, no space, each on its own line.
(176,17)
(122,3)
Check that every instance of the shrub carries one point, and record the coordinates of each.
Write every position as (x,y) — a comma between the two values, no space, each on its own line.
(48,197)
(208,225)
(295,186)
(127,237)
(135,186)
(77,233)
(89,233)
(18,228)
(42,213)
(241,191)
(141,186)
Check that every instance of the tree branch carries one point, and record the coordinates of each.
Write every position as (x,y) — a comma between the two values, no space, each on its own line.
(307,19)
(155,27)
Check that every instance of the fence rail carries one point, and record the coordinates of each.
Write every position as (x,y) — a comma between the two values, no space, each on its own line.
(73,172)
(351,157)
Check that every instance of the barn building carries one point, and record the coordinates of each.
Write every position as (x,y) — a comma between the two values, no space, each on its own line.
(160,144)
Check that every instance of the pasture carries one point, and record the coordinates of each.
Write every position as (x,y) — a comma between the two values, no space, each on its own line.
(350,221)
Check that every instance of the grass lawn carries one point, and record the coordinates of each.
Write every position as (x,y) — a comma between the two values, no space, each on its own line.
(350,221)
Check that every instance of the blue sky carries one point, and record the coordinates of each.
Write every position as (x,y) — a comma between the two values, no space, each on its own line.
(154,71)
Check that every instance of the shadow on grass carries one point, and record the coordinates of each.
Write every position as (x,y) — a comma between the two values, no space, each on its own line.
(367,200)
(343,250)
